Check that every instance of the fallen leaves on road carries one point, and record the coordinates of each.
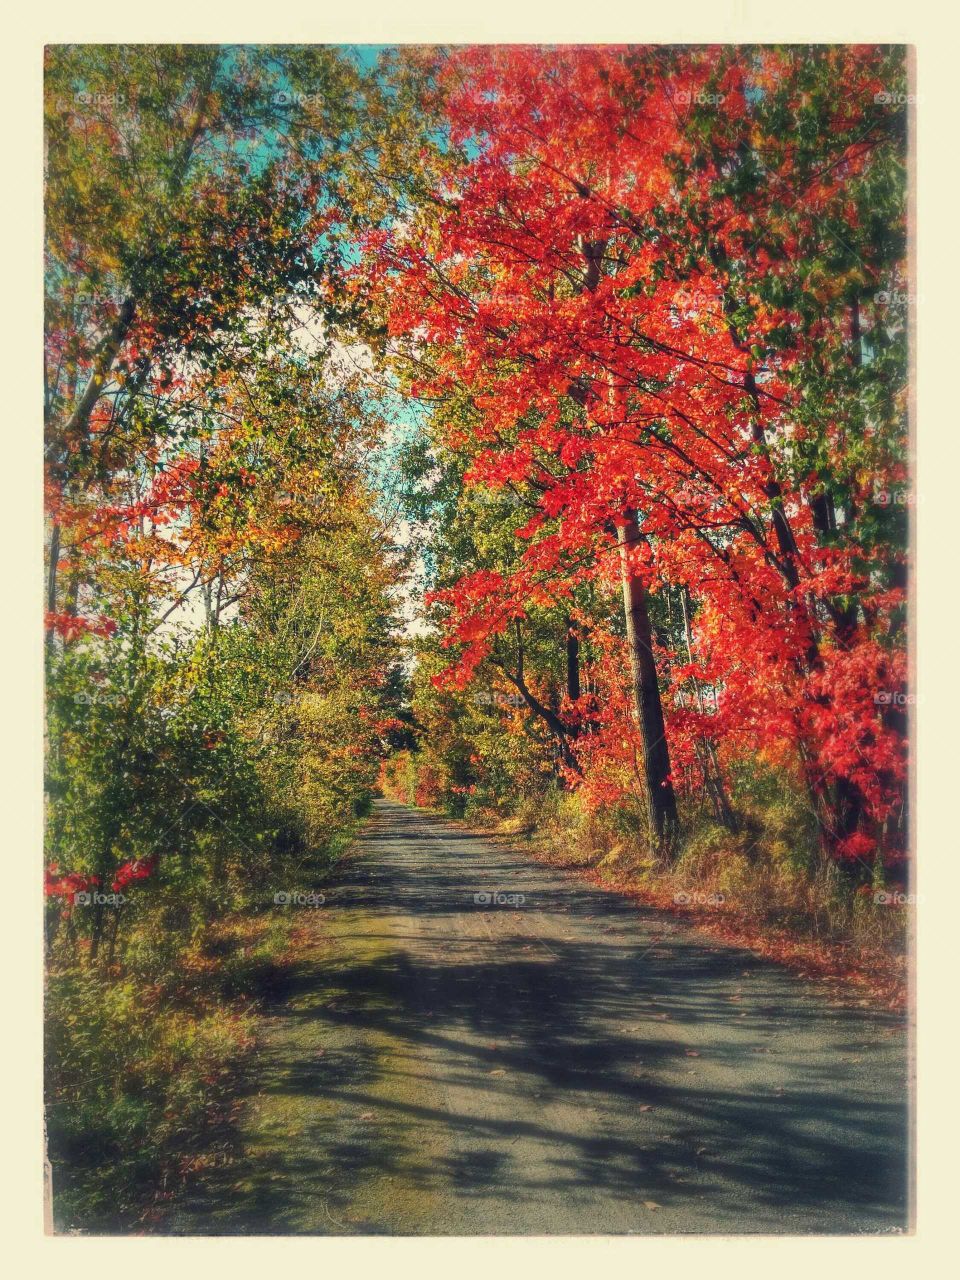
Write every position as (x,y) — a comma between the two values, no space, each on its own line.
(882,977)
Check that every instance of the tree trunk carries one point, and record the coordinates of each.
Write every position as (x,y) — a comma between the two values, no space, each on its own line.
(573,663)
(52,577)
(661,800)
(706,750)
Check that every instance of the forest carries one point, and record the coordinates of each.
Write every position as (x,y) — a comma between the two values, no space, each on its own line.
(517,433)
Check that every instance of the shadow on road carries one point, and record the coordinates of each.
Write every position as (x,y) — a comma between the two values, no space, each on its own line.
(590,1053)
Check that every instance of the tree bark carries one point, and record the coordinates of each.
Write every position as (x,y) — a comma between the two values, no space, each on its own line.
(661,800)
(573,663)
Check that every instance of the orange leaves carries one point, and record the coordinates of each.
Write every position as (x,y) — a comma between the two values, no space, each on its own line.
(635,301)
(72,626)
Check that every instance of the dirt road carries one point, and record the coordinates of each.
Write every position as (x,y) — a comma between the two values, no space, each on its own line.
(564,1064)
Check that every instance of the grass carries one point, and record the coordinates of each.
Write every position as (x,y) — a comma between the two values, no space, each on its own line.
(146,1058)
(321,1088)
(763,887)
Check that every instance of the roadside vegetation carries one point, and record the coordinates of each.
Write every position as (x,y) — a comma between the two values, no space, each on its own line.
(522,431)
(222,623)
(661,325)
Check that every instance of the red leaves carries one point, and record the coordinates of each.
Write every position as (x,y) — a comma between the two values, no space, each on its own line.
(71,626)
(69,885)
(602,297)
(66,886)
(858,845)
(134,870)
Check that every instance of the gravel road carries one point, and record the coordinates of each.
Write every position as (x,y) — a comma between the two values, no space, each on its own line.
(565,1064)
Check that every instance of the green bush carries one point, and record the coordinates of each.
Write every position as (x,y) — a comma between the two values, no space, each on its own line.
(134,1087)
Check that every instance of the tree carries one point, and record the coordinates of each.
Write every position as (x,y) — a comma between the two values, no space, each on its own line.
(638,319)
